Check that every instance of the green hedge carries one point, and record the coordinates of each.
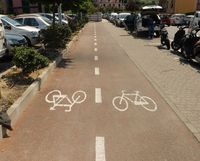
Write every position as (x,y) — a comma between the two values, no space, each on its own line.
(28,59)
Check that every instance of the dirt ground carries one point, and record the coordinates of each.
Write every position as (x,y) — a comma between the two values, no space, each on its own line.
(13,84)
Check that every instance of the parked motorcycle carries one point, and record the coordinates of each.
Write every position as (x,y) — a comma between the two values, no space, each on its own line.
(164,37)
(189,44)
(197,51)
(178,38)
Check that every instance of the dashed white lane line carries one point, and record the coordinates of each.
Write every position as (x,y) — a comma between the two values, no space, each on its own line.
(100,149)
(96,58)
(96,71)
(95,44)
(98,96)
(95,49)
(95,39)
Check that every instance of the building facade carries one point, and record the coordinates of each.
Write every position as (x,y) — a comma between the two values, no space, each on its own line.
(179,6)
(18,6)
(111,3)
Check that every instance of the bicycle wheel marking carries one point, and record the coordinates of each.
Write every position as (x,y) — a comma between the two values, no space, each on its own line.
(121,103)
(57,99)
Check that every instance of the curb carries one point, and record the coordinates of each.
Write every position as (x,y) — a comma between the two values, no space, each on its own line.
(20,104)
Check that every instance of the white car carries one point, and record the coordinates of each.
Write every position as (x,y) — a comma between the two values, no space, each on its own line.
(177,19)
(141,22)
(37,21)
(30,33)
(2,40)
(188,19)
(120,19)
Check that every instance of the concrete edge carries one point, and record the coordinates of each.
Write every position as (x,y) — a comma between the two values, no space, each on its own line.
(20,104)
(187,123)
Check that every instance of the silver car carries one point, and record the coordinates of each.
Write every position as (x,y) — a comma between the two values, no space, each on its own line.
(13,40)
(37,21)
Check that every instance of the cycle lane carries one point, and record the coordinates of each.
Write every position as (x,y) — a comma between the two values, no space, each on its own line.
(135,134)
(41,134)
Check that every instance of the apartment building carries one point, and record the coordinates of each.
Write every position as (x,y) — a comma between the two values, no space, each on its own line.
(18,6)
(179,6)
(111,3)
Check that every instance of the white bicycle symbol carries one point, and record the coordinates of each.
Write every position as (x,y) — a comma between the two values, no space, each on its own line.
(56,98)
(121,102)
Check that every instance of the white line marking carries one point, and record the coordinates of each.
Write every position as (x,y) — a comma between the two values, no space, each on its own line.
(95,49)
(100,149)
(95,36)
(96,58)
(98,97)
(95,44)
(95,39)
(96,71)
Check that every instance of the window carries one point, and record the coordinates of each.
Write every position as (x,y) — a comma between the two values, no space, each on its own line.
(20,20)
(30,22)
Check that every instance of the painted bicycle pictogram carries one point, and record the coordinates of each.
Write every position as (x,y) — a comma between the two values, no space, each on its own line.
(121,102)
(57,99)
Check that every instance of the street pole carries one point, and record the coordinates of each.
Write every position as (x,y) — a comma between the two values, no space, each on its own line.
(60,13)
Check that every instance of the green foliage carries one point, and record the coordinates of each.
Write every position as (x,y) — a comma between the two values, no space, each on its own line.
(28,59)
(56,37)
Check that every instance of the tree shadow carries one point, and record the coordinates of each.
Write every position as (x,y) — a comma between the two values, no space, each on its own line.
(65,63)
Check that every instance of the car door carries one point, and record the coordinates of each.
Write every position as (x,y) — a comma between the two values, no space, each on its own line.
(31,22)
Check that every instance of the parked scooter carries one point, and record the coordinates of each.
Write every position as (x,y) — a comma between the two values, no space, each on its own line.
(178,38)
(189,43)
(164,36)
(197,51)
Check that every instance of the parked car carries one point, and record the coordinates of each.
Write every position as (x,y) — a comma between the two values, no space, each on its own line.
(195,21)
(141,24)
(113,17)
(13,40)
(37,21)
(188,19)
(177,19)
(30,33)
(2,40)
(120,19)
(50,17)
(165,19)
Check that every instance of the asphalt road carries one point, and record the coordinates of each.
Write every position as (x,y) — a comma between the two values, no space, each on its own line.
(100,126)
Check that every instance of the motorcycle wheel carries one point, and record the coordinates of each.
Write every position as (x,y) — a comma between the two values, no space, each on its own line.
(174,47)
(185,53)
(168,44)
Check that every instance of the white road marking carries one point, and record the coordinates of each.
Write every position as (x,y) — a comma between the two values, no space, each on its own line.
(98,97)
(95,49)
(56,98)
(95,44)
(96,58)
(96,71)
(95,36)
(100,149)
(95,39)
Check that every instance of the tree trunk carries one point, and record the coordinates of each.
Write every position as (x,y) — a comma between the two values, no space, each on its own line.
(54,11)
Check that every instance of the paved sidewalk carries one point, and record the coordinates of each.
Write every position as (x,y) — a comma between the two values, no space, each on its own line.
(177,81)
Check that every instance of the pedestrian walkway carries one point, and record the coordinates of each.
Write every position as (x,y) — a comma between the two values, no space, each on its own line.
(177,81)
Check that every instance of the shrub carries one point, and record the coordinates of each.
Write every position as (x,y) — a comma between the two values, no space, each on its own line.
(28,59)
(56,37)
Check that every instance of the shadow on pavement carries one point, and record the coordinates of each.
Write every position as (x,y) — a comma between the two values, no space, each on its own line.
(65,63)
(5,63)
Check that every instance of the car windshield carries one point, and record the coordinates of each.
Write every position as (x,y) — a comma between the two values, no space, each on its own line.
(46,19)
(11,21)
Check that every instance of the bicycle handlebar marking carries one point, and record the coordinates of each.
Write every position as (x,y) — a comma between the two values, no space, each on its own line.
(120,103)
(56,98)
